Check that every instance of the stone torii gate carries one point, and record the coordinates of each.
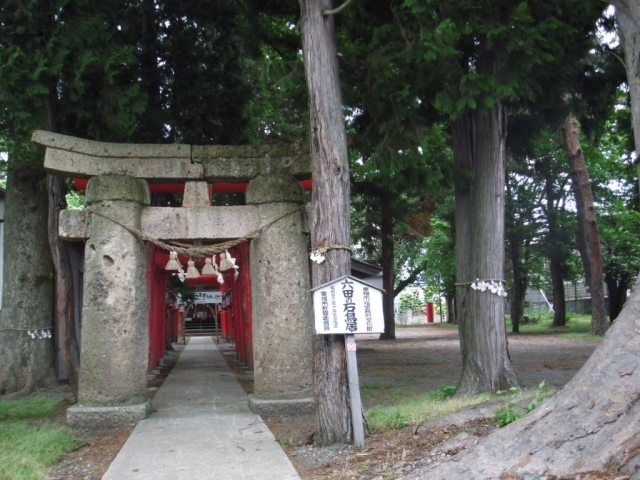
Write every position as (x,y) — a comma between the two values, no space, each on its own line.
(115,333)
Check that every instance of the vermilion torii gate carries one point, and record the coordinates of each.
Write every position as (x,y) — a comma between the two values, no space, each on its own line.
(115,333)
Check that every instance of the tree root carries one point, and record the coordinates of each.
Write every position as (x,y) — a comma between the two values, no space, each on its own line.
(591,425)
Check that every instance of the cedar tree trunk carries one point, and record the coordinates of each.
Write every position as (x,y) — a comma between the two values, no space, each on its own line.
(330,219)
(617,287)
(26,363)
(518,270)
(556,265)
(559,303)
(589,250)
(450,308)
(479,154)
(63,283)
(388,272)
(589,425)
(628,17)
(520,284)
(64,318)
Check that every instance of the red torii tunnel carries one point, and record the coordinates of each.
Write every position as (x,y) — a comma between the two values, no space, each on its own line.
(166,321)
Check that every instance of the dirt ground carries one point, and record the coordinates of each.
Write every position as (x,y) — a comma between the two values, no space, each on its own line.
(421,359)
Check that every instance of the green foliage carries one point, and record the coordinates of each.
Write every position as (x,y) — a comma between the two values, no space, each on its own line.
(619,227)
(513,411)
(75,200)
(178,289)
(411,301)
(440,258)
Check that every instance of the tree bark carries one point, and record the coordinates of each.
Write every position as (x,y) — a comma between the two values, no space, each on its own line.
(330,218)
(25,362)
(617,287)
(479,154)
(64,318)
(590,425)
(587,219)
(559,303)
(628,17)
(520,284)
(556,262)
(450,308)
(388,272)
(518,269)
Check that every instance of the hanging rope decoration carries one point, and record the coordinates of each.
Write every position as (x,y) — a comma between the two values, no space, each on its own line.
(192,272)
(490,285)
(173,264)
(318,255)
(194,251)
(227,262)
(208,267)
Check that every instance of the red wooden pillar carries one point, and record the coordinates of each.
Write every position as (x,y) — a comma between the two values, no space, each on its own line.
(236,315)
(157,279)
(243,287)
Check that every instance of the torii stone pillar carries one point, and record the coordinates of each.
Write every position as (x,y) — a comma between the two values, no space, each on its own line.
(115,328)
(280,299)
(114,336)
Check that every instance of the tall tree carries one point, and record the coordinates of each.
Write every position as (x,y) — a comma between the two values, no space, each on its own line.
(588,233)
(489,57)
(600,402)
(330,218)
(628,18)
(523,229)
(36,39)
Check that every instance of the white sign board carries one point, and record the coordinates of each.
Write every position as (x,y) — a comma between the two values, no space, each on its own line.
(208,297)
(347,306)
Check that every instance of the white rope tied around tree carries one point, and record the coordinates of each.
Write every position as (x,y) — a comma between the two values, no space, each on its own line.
(318,255)
(491,285)
(39,333)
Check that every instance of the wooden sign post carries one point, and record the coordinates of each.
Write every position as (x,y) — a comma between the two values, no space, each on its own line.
(346,306)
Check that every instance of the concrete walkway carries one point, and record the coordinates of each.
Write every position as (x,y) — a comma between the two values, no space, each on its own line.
(201,428)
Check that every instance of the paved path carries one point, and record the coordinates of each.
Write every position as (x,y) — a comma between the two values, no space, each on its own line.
(201,428)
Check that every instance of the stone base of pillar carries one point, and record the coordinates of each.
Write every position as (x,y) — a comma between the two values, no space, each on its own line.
(84,416)
(272,406)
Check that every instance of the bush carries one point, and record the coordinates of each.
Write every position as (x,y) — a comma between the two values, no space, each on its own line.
(411,301)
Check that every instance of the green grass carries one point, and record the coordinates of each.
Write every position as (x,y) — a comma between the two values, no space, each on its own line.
(430,405)
(36,407)
(577,326)
(452,326)
(418,409)
(29,444)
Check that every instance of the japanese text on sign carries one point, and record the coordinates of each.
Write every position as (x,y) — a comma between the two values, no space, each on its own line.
(346,306)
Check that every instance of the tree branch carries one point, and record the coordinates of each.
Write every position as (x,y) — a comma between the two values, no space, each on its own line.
(410,279)
(326,13)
